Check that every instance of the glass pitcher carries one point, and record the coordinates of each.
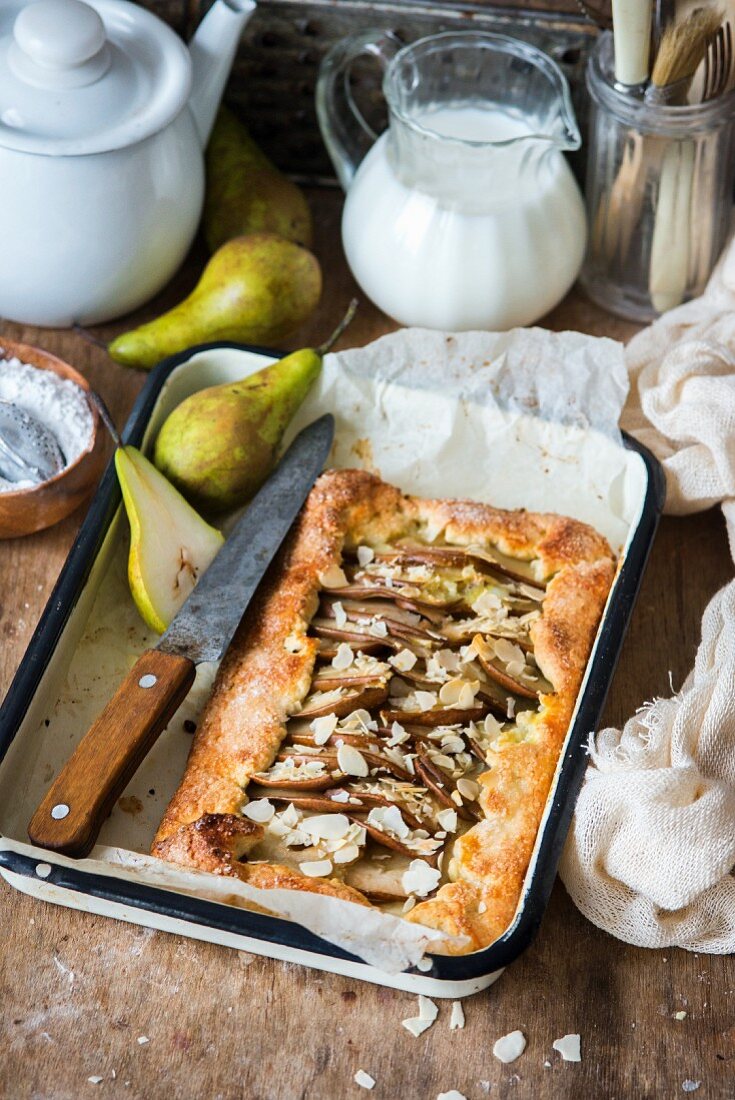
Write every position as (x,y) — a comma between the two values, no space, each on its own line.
(464,214)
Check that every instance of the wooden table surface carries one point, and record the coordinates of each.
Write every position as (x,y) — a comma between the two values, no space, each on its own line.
(77,991)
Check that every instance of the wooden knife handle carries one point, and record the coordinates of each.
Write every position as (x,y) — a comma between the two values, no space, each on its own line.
(81,797)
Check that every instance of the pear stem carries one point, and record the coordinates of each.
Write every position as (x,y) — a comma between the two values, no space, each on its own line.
(346,320)
(105,417)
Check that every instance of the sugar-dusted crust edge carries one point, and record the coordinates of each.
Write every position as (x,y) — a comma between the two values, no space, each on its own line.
(267,672)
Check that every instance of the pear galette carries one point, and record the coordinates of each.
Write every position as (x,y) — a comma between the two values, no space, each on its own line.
(387,722)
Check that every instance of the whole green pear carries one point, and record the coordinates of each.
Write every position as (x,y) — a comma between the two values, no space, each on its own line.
(219,445)
(245,192)
(254,290)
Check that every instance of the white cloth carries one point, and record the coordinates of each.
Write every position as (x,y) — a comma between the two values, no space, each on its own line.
(652,846)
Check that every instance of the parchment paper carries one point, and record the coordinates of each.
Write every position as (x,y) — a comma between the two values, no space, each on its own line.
(523,419)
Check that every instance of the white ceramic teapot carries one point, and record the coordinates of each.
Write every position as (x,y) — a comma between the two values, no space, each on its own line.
(104,115)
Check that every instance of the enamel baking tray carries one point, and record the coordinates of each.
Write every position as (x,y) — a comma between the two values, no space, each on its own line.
(29,756)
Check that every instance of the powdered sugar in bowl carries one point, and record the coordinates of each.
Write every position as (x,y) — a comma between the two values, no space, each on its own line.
(54,394)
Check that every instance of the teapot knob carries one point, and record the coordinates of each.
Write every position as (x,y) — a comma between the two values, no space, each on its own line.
(59,44)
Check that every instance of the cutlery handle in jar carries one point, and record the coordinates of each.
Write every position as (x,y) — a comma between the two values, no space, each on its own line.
(83,794)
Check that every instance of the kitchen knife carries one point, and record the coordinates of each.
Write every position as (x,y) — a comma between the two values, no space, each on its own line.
(78,801)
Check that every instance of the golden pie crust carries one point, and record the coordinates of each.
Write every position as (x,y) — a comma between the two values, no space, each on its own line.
(267,673)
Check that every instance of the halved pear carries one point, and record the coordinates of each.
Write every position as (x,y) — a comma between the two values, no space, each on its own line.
(170,544)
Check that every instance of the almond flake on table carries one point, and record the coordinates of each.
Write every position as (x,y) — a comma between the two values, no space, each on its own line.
(456,1021)
(690,1086)
(680,1015)
(569,1048)
(94,1080)
(364,1080)
(509,1047)
(453,1094)
(428,1012)
(142,1039)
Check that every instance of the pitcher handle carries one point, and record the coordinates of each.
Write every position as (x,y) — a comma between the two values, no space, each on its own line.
(345,131)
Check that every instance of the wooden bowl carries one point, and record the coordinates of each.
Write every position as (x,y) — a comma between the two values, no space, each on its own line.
(28,510)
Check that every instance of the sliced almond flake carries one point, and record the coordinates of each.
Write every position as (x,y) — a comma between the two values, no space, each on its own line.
(453,1094)
(94,1080)
(365,554)
(333,577)
(143,1039)
(324,698)
(680,1015)
(506,651)
(456,1020)
(352,762)
(378,628)
(427,1009)
(316,868)
(487,603)
(416,1026)
(404,660)
(509,1047)
(398,736)
(290,816)
(340,615)
(361,1078)
(424,700)
(408,905)
(491,726)
(360,718)
(420,879)
(348,854)
(451,692)
(448,820)
(569,1046)
(344,657)
(326,826)
(323,728)
(261,810)
(441,759)
(468,788)
(510,707)
(456,797)
(340,796)
(388,819)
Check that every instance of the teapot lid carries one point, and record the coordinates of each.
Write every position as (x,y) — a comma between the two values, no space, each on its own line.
(86,77)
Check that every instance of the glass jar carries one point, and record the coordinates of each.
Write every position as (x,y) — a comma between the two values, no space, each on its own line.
(659,194)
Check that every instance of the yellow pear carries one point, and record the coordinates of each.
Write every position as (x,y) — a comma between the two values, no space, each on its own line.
(254,290)
(245,192)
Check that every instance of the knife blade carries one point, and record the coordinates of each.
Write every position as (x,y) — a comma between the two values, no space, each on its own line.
(71,814)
